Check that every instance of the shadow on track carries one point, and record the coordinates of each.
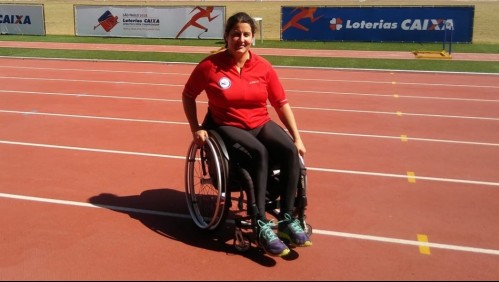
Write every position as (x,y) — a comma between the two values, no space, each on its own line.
(161,211)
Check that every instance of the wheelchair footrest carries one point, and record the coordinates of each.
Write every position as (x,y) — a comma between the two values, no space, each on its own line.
(244,222)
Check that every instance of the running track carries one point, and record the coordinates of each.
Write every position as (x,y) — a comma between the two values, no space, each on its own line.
(403,176)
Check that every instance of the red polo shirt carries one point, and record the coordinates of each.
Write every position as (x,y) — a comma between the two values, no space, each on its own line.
(237,99)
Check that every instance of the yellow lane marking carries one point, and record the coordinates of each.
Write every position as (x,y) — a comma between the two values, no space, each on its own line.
(425,250)
(411,177)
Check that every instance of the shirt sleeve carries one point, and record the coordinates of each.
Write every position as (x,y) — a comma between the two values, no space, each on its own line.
(277,96)
(197,80)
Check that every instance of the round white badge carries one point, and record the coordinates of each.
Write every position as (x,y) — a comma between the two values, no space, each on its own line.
(224,83)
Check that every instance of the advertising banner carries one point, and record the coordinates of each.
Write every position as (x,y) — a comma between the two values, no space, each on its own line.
(22,19)
(202,22)
(378,24)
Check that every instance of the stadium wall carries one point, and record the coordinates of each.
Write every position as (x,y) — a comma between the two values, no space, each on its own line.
(59,14)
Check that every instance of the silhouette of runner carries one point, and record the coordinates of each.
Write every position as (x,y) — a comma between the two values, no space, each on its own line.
(203,13)
(303,14)
(107,21)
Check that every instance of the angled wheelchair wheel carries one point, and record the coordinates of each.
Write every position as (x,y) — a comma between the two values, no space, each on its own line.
(206,184)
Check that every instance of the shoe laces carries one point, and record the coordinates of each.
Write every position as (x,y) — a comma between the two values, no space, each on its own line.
(266,230)
(294,225)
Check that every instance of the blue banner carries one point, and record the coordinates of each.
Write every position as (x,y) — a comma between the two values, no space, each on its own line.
(378,24)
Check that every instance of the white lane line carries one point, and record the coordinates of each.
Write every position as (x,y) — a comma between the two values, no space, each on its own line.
(142,154)
(88,205)
(398,138)
(303,131)
(394,113)
(401,96)
(398,82)
(90,96)
(94,117)
(95,70)
(282,78)
(315,231)
(91,81)
(294,107)
(407,242)
(317,108)
(181,85)
(452,180)
(428,178)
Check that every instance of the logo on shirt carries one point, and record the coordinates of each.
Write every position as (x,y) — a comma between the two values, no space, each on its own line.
(224,83)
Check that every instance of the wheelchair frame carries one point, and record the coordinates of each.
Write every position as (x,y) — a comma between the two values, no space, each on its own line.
(210,178)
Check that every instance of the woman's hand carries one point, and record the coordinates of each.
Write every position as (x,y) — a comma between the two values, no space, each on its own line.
(301,148)
(200,136)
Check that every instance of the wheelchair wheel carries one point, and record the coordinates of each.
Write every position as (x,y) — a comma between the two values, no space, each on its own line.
(206,184)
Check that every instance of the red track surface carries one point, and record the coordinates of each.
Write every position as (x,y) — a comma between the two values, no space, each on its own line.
(92,159)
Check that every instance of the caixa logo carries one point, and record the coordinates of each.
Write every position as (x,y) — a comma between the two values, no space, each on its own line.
(15,19)
(407,24)
(427,24)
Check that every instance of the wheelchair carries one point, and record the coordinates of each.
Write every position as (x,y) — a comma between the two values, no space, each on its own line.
(213,174)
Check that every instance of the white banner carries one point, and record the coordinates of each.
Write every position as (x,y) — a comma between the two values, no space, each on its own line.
(22,19)
(202,22)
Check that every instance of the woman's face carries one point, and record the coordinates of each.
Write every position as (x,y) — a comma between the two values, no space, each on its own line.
(239,39)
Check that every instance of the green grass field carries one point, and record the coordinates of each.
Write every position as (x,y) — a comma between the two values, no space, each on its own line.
(416,64)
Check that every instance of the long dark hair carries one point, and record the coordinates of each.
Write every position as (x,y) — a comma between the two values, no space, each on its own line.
(237,18)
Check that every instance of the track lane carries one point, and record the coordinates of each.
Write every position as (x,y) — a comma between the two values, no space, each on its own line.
(382,207)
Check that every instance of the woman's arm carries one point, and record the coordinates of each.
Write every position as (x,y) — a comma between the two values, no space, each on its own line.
(288,119)
(190,109)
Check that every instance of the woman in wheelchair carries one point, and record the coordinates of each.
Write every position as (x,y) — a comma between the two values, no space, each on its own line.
(238,84)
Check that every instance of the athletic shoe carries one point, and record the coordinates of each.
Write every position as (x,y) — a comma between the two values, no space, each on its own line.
(290,230)
(269,240)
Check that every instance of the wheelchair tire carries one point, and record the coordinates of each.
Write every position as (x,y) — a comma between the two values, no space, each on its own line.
(206,175)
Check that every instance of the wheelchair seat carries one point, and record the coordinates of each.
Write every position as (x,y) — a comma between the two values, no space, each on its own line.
(211,176)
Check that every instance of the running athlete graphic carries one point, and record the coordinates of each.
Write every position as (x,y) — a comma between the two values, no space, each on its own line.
(107,21)
(203,13)
(303,14)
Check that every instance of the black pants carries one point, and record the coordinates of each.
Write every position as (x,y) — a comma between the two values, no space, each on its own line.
(263,144)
